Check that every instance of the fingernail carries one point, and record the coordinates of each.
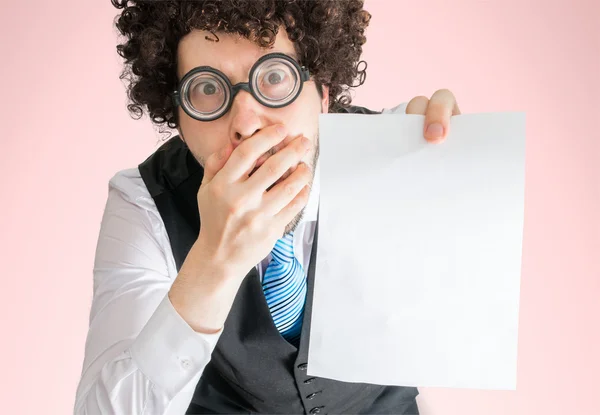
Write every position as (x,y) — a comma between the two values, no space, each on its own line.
(281,130)
(434,130)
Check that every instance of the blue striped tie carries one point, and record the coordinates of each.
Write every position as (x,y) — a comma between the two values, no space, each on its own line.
(284,285)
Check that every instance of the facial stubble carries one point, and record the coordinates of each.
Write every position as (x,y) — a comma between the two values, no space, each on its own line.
(293,225)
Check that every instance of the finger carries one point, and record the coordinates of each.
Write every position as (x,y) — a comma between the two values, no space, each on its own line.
(277,165)
(245,156)
(291,210)
(437,118)
(289,197)
(215,162)
(286,191)
(417,105)
(455,110)
(264,157)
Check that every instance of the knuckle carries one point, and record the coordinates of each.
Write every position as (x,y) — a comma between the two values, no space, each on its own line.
(417,105)
(300,146)
(442,99)
(231,211)
(234,207)
(300,151)
(244,151)
(290,189)
(419,99)
(303,195)
(216,191)
(305,169)
(250,222)
(299,170)
(308,175)
(272,169)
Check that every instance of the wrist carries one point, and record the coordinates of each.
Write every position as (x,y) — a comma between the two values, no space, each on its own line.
(204,290)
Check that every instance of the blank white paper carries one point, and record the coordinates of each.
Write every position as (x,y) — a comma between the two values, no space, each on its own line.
(419,251)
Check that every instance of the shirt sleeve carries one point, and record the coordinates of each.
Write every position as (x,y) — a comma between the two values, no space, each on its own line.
(141,357)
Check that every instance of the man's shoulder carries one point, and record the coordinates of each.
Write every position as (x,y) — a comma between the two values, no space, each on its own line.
(129,184)
(168,166)
(163,169)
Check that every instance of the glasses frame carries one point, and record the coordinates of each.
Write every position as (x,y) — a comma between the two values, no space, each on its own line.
(233,90)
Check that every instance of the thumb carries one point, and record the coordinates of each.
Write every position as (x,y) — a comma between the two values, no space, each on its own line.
(215,162)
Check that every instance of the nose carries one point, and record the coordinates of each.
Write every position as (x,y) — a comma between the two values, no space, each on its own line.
(247,117)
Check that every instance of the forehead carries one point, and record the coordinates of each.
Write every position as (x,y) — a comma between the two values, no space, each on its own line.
(232,54)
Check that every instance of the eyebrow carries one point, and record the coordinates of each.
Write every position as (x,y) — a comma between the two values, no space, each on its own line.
(291,54)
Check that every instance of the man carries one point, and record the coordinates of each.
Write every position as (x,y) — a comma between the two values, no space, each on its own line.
(204,268)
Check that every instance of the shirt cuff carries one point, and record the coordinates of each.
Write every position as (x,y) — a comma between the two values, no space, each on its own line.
(169,352)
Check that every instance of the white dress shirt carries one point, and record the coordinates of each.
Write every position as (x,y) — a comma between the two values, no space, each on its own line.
(141,357)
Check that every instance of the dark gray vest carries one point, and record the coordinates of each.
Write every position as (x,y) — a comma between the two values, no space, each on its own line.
(253,369)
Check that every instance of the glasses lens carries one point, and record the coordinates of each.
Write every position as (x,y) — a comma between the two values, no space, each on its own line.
(277,81)
(207,94)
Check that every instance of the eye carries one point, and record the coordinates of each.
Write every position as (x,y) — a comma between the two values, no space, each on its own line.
(275,77)
(207,88)
(206,94)
(276,81)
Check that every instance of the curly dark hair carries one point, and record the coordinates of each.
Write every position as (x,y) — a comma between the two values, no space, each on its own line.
(328,36)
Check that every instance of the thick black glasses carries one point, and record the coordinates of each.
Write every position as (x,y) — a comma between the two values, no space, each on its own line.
(275,80)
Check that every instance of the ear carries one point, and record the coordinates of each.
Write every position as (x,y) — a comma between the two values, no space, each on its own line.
(325,100)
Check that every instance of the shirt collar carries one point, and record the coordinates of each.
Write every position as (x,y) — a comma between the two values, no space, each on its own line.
(312,207)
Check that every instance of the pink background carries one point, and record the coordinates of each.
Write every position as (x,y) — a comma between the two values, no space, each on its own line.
(66,131)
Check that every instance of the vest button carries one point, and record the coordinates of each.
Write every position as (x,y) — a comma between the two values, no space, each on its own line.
(303,366)
(316,410)
(312,395)
(309,381)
